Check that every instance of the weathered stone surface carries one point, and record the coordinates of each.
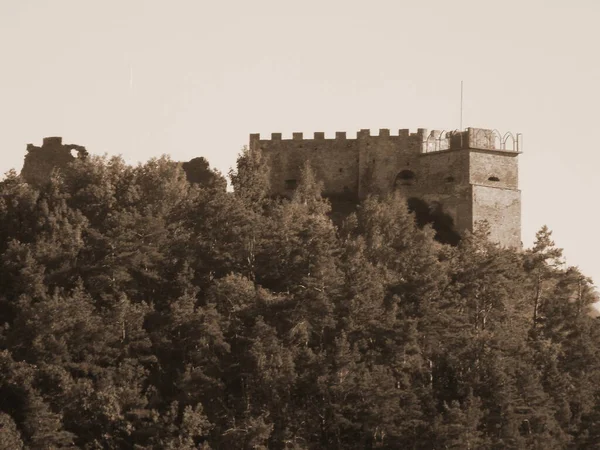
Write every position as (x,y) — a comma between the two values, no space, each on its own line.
(40,161)
(470,175)
(502,209)
(53,154)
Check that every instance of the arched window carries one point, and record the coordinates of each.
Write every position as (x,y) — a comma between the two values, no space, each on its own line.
(493,178)
(405,178)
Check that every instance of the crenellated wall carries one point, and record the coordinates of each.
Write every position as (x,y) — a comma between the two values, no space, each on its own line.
(383,157)
(335,161)
(470,175)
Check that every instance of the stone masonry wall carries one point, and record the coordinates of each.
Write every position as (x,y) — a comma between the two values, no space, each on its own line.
(446,181)
(502,209)
(335,161)
(367,164)
(40,161)
(468,175)
(383,157)
(502,166)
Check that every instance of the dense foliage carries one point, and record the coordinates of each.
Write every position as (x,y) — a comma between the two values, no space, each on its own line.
(140,309)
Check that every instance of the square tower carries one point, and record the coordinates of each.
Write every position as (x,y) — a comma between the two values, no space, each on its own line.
(474,175)
(494,179)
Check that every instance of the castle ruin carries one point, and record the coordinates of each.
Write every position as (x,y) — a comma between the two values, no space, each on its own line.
(469,175)
(40,161)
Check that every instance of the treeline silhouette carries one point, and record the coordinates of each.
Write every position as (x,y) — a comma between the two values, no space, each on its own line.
(141,308)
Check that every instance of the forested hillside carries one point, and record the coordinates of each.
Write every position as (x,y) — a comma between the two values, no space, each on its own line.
(140,310)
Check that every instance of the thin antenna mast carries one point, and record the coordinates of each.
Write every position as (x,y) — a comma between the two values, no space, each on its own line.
(461,105)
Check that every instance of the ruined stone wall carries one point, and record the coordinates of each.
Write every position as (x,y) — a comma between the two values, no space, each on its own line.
(41,161)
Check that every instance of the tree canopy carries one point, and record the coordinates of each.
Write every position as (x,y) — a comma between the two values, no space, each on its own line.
(143,308)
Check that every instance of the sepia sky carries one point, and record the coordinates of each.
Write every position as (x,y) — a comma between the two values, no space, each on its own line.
(193,78)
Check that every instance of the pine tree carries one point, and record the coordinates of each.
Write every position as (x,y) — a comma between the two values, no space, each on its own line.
(10,437)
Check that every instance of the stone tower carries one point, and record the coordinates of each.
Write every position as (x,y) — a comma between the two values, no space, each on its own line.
(466,176)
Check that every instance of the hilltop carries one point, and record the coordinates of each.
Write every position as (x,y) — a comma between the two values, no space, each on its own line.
(145,309)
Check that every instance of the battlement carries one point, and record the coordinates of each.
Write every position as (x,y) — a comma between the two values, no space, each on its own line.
(339,135)
(465,175)
(427,142)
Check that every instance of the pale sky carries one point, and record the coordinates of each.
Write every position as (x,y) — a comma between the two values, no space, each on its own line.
(194,78)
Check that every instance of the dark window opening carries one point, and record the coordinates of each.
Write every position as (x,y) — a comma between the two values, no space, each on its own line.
(291,184)
(406,175)
(341,170)
(494,179)
(405,178)
(449,179)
